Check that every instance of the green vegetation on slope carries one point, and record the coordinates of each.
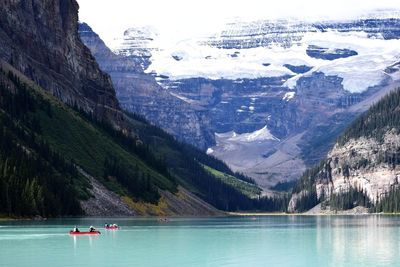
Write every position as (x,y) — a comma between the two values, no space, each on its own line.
(90,144)
(187,164)
(82,141)
(250,190)
(136,167)
(133,166)
(34,179)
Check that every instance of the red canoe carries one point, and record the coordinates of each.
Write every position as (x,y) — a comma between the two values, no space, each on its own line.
(84,233)
(111,227)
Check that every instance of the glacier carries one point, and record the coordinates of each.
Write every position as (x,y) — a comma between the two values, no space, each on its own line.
(275,45)
(262,134)
(359,72)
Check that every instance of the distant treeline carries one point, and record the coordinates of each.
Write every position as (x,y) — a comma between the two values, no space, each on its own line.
(381,117)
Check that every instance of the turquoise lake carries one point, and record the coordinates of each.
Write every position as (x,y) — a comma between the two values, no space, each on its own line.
(229,241)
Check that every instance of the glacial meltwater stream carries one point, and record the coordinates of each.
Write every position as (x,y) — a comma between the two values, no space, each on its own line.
(229,241)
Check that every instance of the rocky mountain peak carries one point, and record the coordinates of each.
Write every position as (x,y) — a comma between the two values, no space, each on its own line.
(40,38)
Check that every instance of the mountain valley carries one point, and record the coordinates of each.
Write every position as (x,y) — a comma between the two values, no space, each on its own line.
(267,97)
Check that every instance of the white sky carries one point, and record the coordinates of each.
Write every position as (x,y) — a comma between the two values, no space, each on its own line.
(181,18)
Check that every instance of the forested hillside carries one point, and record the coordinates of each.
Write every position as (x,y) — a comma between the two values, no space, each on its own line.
(64,134)
(377,121)
(34,179)
(44,140)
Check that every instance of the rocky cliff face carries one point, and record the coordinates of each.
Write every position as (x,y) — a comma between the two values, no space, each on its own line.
(40,39)
(365,159)
(360,164)
(288,32)
(139,92)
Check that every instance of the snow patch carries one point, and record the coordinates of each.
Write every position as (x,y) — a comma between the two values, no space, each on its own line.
(288,96)
(262,134)
(185,99)
(209,151)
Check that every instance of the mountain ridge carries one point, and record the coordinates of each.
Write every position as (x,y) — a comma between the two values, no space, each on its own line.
(139,93)
(40,39)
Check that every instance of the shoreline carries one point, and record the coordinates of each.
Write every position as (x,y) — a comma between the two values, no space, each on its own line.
(339,213)
(229,214)
(5,219)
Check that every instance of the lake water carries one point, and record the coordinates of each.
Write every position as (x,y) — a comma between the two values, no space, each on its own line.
(231,241)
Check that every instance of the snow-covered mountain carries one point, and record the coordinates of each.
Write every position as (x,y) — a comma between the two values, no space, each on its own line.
(274,93)
(358,52)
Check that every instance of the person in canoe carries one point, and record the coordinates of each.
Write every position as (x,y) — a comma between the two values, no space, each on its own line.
(112,226)
(92,229)
(165,220)
(75,230)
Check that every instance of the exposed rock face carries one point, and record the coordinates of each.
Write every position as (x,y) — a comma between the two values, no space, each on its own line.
(106,203)
(183,203)
(285,33)
(40,39)
(364,164)
(359,164)
(138,92)
(292,206)
(318,210)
